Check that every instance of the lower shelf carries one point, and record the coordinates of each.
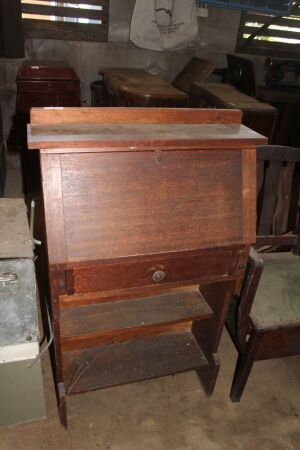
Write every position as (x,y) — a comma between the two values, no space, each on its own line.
(125,362)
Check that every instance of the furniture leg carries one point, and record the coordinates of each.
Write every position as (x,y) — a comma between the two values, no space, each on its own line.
(243,367)
(208,334)
(62,405)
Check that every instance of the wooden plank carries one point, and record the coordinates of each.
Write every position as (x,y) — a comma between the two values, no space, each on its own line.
(44,29)
(194,211)
(129,319)
(54,215)
(272,177)
(275,33)
(195,70)
(103,3)
(226,96)
(283,207)
(249,196)
(77,300)
(126,362)
(48,116)
(96,339)
(64,11)
(288,240)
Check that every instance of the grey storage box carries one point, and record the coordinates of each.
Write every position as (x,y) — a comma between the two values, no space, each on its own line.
(21,386)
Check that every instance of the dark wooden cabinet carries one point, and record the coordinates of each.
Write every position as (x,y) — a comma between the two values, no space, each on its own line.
(41,83)
(141,207)
(46,83)
(260,117)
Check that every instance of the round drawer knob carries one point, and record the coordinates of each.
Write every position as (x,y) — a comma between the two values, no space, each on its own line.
(159,275)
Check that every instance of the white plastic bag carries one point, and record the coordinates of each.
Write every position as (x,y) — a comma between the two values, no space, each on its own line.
(164,24)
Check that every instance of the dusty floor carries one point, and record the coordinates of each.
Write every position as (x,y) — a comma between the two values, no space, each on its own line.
(172,412)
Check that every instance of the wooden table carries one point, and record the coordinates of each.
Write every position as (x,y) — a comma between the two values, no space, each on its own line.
(136,87)
(141,207)
(258,116)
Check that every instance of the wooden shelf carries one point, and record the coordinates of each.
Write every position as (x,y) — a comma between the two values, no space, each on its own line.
(125,320)
(116,364)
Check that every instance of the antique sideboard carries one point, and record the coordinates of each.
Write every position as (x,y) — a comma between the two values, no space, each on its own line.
(143,206)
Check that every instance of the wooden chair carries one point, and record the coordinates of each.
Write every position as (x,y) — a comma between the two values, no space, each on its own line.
(264,321)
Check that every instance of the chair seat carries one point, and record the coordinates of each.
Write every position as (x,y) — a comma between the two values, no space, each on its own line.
(277,300)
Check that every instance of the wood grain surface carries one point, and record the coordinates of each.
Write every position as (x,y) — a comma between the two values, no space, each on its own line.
(50,116)
(144,203)
(121,363)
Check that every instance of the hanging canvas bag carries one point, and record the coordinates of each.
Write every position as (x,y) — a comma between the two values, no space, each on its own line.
(164,24)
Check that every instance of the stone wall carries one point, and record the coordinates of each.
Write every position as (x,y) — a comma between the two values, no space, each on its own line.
(217,35)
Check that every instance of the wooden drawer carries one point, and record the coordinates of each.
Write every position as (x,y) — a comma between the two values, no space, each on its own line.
(50,86)
(150,271)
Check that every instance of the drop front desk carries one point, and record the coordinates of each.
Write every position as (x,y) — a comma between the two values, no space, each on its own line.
(141,207)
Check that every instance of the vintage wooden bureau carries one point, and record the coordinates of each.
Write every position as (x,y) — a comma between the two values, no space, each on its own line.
(141,207)
(258,116)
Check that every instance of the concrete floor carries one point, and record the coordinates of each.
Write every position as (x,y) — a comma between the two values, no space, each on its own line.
(172,412)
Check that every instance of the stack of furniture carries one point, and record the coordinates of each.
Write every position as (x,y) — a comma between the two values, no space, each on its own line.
(258,116)
(142,206)
(286,99)
(21,384)
(136,87)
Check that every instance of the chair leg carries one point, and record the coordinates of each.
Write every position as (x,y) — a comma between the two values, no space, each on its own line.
(243,367)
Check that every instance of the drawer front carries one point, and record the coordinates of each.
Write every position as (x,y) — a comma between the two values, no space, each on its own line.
(188,269)
(50,86)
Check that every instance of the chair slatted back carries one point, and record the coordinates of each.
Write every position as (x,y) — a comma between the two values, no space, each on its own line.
(277,190)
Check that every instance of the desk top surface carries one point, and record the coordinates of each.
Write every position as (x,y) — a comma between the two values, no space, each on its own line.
(135,137)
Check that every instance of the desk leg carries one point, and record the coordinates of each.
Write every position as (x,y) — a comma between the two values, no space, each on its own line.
(62,405)
(208,332)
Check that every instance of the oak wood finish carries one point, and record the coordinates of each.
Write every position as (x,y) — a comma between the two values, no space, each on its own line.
(116,364)
(106,319)
(136,116)
(142,206)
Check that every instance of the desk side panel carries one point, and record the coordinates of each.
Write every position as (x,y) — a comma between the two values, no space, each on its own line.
(53,202)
